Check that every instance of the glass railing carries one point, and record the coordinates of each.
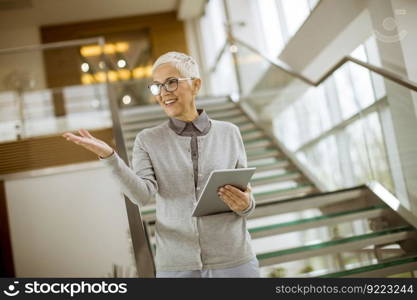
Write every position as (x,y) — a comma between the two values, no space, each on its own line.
(52,88)
(354,126)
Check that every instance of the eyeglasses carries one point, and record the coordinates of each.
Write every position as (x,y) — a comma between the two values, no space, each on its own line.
(170,85)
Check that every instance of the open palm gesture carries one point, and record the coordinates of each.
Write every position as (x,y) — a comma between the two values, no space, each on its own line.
(90,143)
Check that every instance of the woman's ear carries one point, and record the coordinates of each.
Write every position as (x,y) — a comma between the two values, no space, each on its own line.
(196,86)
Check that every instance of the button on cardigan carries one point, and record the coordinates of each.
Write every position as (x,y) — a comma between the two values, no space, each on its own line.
(199,126)
(163,170)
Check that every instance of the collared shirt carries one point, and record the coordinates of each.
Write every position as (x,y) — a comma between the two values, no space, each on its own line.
(197,127)
(162,169)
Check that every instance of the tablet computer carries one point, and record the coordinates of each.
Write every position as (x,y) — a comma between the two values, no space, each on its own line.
(209,201)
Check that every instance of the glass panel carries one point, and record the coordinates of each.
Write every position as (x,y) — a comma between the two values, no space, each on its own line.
(296,11)
(362,85)
(213,31)
(345,92)
(271,26)
(65,87)
(40,99)
(223,79)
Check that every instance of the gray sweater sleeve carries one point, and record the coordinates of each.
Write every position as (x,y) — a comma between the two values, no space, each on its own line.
(242,163)
(139,184)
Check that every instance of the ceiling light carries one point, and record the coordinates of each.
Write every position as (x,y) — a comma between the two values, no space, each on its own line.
(126,99)
(121,63)
(85,67)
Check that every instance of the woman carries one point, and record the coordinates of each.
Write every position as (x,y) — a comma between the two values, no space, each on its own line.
(171,163)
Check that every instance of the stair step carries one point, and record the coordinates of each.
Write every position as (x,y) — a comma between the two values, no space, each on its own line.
(247,126)
(261,144)
(156,112)
(314,222)
(265,209)
(242,119)
(255,141)
(210,108)
(267,153)
(381,269)
(256,145)
(148,214)
(270,165)
(277,194)
(255,152)
(250,137)
(293,175)
(344,244)
(136,127)
(226,114)
(156,116)
(243,122)
(139,122)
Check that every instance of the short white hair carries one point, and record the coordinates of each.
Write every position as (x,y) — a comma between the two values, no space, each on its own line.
(184,63)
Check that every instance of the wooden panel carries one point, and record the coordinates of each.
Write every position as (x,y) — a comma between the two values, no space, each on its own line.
(62,66)
(166,32)
(6,255)
(47,151)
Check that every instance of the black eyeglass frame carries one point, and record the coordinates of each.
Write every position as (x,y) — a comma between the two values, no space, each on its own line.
(158,86)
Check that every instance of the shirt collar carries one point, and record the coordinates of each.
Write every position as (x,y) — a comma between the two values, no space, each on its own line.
(201,122)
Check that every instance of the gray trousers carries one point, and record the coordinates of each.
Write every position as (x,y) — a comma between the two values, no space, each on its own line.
(249,269)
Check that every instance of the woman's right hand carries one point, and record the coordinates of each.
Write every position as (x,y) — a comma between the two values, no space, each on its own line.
(90,143)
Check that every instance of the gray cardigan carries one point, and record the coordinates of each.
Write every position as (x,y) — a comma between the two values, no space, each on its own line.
(163,169)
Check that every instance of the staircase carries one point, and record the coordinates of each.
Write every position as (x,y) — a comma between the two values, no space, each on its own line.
(296,230)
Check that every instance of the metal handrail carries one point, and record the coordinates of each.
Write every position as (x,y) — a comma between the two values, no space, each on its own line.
(401,80)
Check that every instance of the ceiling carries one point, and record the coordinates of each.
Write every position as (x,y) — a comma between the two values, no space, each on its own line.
(46,12)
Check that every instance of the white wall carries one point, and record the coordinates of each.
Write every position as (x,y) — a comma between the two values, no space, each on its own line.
(70,224)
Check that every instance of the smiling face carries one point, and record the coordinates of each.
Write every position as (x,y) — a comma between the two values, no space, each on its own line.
(183,107)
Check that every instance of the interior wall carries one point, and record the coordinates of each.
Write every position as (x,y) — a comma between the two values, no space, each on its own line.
(166,33)
(69,224)
(30,63)
(406,19)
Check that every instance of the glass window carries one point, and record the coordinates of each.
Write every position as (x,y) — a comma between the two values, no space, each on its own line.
(286,128)
(321,158)
(359,53)
(213,30)
(358,152)
(373,57)
(345,92)
(362,84)
(361,78)
(314,113)
(378,155)
(223,80)
(271,26)
(296,12)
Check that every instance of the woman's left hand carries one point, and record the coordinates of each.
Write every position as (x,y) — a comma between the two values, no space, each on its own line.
(237,200)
